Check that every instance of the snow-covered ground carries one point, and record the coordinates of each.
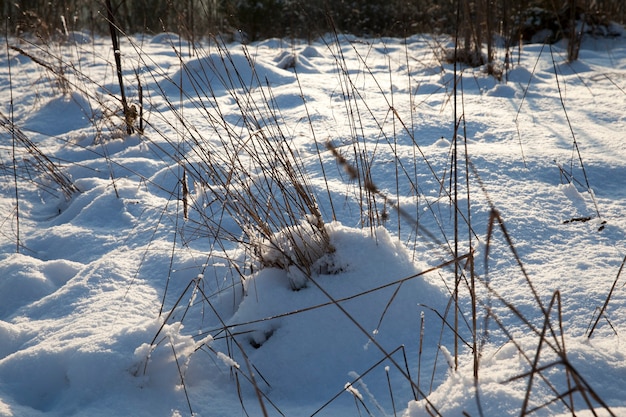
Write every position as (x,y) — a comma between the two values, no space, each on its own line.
(119,304)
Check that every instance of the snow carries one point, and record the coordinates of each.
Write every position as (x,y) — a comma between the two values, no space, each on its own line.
(117,304)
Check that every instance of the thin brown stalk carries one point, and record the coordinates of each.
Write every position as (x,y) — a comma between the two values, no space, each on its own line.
(113,28)
(13,146)
(182,378)
(607,299)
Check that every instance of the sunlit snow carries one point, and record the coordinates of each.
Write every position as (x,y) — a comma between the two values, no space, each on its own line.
(116,303)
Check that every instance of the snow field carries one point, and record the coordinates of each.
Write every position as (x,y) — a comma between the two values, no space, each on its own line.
(118,305)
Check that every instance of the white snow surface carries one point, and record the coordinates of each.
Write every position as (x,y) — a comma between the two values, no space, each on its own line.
(112,303)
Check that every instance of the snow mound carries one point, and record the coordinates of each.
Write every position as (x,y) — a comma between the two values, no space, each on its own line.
(503,388)
(504,91)
(26,279)
(293,248)
(169,39)
(521,75)
(301,62)
(62,350)
(219,71)
(61,115)
(285,329)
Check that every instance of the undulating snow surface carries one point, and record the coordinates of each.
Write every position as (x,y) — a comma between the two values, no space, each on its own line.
(116,301)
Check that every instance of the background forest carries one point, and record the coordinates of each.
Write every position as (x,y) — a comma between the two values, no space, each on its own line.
(260,19)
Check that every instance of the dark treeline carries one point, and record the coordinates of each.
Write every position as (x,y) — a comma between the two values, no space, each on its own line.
(259,19)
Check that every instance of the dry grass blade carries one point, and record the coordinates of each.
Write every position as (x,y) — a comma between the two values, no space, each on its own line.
(575,141)
(58,72)
(42,164)
(182,377)
(375,343)
(396,283)
(607,300)
(371,187)
(548,334)
(548,338)
(357,379)
(576,383)
(13,151)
